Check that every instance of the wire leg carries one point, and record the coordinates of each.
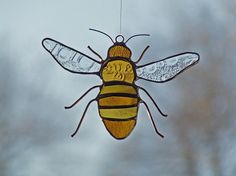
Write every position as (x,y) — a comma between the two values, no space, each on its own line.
(153,123)
(142,54)
(71,106)
(164,115)
(80,122)
(100,57)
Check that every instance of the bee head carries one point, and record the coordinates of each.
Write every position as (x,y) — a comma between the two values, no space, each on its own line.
(119,49)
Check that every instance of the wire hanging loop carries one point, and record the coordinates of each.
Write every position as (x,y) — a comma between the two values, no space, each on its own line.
(119,39)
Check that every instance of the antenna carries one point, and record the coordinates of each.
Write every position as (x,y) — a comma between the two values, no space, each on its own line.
(102,33)
(137,35)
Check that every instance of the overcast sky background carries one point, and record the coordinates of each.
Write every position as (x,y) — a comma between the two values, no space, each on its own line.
(35,129)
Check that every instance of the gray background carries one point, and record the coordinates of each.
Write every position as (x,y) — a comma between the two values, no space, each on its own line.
(35,129)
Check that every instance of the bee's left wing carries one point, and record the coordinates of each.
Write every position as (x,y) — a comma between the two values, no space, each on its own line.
(71,59)
(168,68)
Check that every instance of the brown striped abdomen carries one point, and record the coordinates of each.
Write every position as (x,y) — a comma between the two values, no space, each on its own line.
(118,107)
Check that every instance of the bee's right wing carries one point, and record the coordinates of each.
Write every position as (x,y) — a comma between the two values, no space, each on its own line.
(168,68)
(71,59)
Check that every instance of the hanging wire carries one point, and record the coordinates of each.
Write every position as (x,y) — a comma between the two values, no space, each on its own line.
(121,8)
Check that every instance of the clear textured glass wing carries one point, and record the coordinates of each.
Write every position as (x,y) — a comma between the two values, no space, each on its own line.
(71,59)
(166,69)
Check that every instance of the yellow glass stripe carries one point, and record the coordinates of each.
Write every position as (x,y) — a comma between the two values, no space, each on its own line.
(122,113)
(118,89)
(117,101)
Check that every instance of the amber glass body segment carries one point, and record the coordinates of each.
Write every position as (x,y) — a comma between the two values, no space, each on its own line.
(119,129)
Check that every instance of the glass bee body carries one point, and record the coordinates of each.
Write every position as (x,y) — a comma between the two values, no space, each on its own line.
(118,99)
